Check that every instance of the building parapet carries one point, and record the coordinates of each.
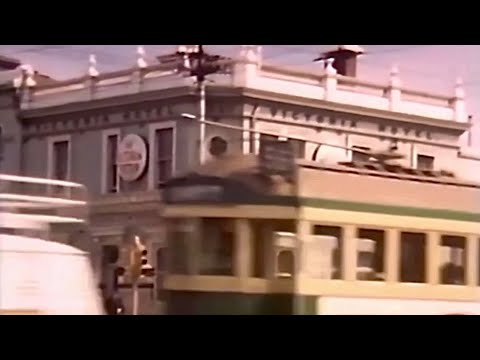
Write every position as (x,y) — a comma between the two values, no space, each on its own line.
(248,71)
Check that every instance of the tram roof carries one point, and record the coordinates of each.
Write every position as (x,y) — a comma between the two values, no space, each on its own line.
(247,167)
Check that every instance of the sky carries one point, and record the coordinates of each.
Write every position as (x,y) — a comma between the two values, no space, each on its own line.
(432,68)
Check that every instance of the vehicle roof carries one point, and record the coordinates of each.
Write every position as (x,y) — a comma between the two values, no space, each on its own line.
(14,243)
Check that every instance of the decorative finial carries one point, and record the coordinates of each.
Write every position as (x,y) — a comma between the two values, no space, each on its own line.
(459,90)
(394,78)
(92,69)
(30,81)
(329,67)
(19,81)
(141,63)
(250,53)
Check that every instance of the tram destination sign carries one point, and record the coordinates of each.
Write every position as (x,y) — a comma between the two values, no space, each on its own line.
(277,158)
(193,193)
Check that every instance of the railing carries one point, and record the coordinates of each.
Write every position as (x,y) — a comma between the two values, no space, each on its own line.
(245,72)
(33,203)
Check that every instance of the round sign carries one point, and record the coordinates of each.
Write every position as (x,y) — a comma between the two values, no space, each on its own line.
(131,157)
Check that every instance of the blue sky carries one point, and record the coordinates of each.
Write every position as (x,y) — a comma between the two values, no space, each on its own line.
(431,68)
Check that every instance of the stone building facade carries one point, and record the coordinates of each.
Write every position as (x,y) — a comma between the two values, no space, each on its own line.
(77,130)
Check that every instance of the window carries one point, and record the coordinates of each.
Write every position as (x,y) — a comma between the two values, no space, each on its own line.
(164,154)
(358,156)
(110,255)
(285,264)
(60,160)
(263,244)
(179,238)
(337,232)
(111,165)
(298,146)
(412,257)
(160,268)
(267,138)
(374,260)
(453,260)
(217,244)
(425,162)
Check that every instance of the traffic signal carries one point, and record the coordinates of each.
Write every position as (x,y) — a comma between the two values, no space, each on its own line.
(147,269)
(120,271)
(139,265)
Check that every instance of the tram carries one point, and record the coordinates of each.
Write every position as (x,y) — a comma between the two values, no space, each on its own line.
(39,276)
(351,238)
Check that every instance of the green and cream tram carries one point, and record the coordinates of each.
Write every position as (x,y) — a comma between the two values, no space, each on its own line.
(379,239)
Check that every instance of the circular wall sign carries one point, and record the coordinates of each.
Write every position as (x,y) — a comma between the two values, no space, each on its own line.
(131,157)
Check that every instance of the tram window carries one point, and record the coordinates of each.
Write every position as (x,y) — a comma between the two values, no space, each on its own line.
(181,238)
(262,232)
(259,247)
(337,232)
(160,271)
(412,257)
(285,264)
(373,260)
(478,263)
(178,253)
(217,244)
(453,260)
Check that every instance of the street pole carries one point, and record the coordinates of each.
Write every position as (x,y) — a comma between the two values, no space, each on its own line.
(201,64)
(135,298)
(203,111)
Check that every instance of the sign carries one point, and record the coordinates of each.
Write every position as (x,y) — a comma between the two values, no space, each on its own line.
(193,193)
(277,158)
(131,157)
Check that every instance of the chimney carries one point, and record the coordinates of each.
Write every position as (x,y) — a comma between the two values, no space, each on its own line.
(345,59)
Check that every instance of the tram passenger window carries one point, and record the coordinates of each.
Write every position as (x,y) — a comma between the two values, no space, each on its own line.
(178,251)
(478,263)
(179,236)
(259,249)
(160,272)
(372,262)
(337,232)
(263,250)
(286,264)
(412,257)
(453,260)
(217,244)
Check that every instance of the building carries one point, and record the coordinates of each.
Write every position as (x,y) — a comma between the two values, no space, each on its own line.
(123,135)
(9,127)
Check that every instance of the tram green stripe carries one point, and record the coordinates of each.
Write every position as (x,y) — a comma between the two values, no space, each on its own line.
(351,206)
(226,303)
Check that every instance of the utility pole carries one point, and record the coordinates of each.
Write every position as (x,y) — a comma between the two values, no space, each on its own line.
(200,64)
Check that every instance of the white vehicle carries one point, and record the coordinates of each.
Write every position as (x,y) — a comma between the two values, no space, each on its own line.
(38,276)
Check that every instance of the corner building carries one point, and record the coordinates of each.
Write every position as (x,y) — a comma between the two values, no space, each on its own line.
(385,231)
